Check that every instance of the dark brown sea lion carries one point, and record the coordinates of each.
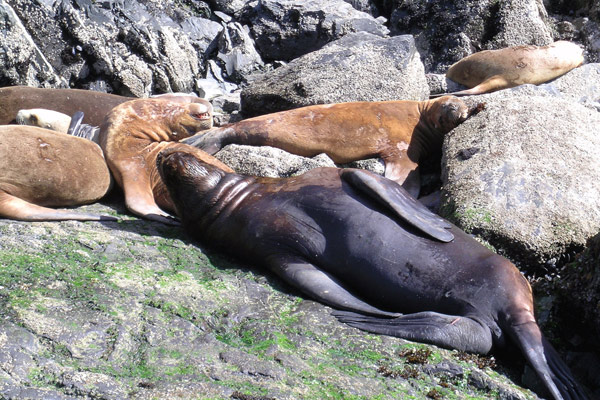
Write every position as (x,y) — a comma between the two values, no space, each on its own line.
(400,132)
(491,70)
(40,168)
(95,105)
(357,241)
(132,135)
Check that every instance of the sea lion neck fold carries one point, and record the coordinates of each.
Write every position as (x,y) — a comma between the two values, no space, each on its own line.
(218,193)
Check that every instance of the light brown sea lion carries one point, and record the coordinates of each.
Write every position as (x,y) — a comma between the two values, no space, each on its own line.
(95,105)
(491,70)
(40,168)
(132,135)
(357,241)
(44,118)
(400,132)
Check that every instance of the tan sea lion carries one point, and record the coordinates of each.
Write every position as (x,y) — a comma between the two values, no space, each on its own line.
(491,70)
(40,168)
(132,135)
(400,132)
(95,105)
(357,241)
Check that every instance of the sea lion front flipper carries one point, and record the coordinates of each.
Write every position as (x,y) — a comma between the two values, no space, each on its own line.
(15,208)
(210,141)
(394,197)
(449,331)
(403,171)
(137,189)
(320,286)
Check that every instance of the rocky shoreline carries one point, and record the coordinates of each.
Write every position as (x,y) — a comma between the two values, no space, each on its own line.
(134,309)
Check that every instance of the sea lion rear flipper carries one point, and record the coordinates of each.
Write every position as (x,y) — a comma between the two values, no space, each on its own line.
(15,208)
(75,123)
(85,131)
(320,286)
(449,331)
(546,362)
(394,197)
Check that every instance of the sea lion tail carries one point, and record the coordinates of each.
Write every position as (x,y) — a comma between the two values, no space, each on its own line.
(553,372)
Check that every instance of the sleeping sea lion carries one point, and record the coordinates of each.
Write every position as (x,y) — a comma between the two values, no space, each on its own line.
(400,132)
(357,241)
(40,168)
(44,118)
(95,105)
(491,70)
(134,132)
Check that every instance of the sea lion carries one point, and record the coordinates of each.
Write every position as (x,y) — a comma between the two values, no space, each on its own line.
(399,132)
(40,168)
(357,241)
(134,132)
(490,70)
(95,105)
(44,118)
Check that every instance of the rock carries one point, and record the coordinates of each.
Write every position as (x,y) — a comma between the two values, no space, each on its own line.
(581,84)
(358,67)
(268,161)
(523,175)
(21,61)
(132,48)
(579,288)
(237,52)
(228,6)
(287,29)
(446,32)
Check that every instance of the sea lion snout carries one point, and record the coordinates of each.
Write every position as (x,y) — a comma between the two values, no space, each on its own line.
(452,112)
(200,111)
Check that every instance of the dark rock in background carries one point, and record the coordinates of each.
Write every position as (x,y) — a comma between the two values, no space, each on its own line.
(287,29)
(447,31)
(358,67)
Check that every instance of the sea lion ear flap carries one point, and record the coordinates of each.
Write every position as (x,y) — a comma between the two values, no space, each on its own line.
(391,195)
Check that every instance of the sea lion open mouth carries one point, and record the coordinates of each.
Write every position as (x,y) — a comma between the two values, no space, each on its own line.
(201,116)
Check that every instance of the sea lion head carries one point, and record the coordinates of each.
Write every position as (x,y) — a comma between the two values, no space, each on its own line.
(446,113)
(187,177)
(198,116)
(44,118)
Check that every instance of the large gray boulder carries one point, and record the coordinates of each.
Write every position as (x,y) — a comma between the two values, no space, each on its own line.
(358,67)
(581,84)
(448,31)
(287,29)
(524,175)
